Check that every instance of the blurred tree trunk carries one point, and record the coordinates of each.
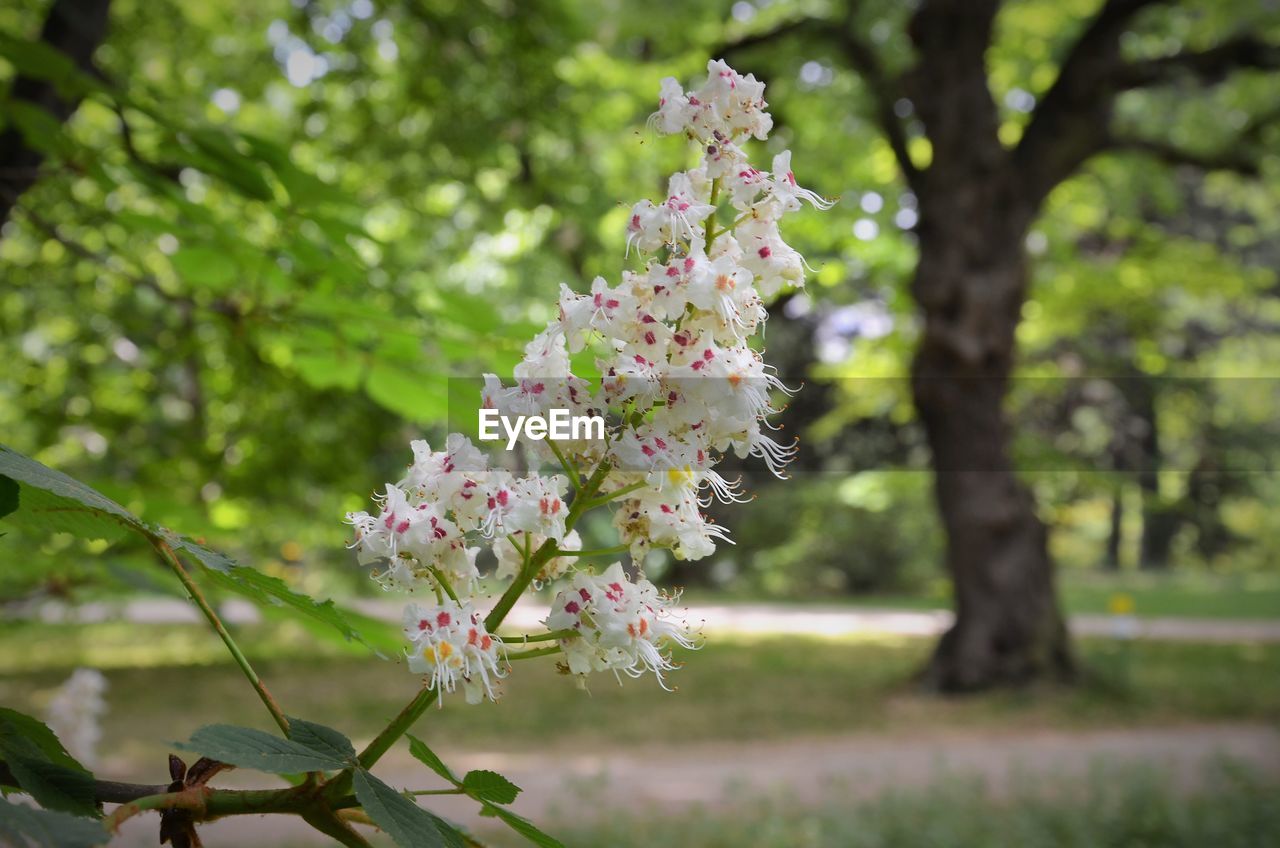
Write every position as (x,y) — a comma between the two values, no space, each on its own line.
(977,199)
(1159,524)
(970,284)
(73,27)
(1115,533)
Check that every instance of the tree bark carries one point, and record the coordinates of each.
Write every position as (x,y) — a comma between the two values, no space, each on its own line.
(977,199)
(73,27)
(970,285)
(1008,627)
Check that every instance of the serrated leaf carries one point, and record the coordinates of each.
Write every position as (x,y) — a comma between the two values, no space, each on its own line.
(21,825)
(54,786)
(452,835)
(267,590)
(24,735)
(208,557)
(405,822)
(42,766)
(256,749)
(55,501)
(323,740)
(485,785)
(429,758)
(524,827)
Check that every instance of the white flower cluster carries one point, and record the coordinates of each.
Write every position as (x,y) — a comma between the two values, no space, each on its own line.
(75,714)
(680,382)
(450,644)
(617,624)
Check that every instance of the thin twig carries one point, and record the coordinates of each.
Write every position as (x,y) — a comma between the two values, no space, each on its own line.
(171,559)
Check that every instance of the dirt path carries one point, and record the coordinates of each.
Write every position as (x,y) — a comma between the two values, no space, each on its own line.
(861,766)
(757,619)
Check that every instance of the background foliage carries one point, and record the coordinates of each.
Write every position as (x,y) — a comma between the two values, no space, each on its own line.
(264,244)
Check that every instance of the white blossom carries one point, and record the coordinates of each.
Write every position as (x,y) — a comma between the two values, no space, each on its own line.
(450,645)
(620,625)
(682,382)
(75,714)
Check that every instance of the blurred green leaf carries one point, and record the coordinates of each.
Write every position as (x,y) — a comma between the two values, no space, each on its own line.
(42,766)
(51,500)
(39,129)
(414,395)
(8,496)
(21,825)
(266,590)
(205,265)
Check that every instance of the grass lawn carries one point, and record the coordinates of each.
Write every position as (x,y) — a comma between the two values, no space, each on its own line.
(1255,596)
(168,680)
(1113,810)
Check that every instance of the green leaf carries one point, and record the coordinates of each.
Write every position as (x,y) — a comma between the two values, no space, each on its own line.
(323,740)
(8,496)
(451,834)
(42,766)
(430,759)
(205,265)
(524,827)
(208,557)
(53,501)
(484,785)
(41,130)
(265,590)
(22,733)
(215,153)
(37,59)
(256,749)
(21,825)
(405,822)
(406,392)
(54,786)
(329,370)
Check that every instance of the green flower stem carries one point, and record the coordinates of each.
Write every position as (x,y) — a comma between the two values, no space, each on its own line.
(709,227)
(618,493)
(393,731)
(171,559)
(526,638)
(443,582)
(533,652)
(574,479)
(547,551)
(341,783)
(616,549)
(438,792)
